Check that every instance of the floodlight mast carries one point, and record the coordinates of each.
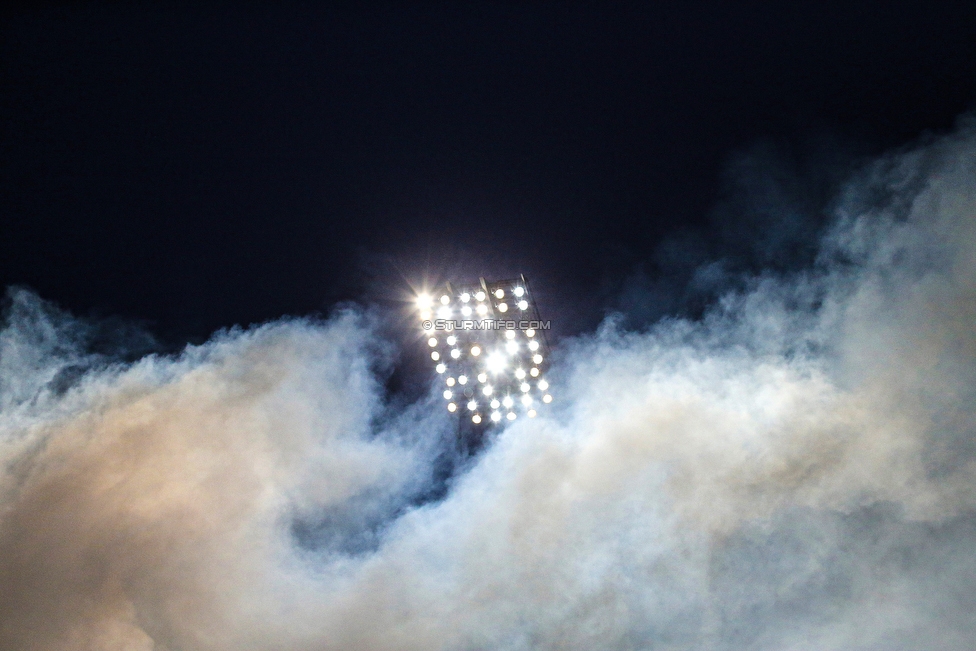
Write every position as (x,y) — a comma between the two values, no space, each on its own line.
(489,349)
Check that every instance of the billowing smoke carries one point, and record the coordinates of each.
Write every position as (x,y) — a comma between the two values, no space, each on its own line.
(797,470)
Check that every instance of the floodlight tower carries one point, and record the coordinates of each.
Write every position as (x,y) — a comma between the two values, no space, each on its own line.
(489,348)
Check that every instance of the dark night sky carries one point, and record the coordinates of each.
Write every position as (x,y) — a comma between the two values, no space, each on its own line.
(197,166)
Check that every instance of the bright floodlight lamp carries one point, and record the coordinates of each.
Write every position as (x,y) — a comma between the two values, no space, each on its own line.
(489,346)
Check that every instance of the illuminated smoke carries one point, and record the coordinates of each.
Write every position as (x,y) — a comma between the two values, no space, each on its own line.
(795,471)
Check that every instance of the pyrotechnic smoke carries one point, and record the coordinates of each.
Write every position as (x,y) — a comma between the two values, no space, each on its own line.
(795,471)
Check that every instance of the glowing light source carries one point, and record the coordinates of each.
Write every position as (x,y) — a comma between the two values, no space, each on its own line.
(496,362)
(490,353)
(451,407)
(531,413)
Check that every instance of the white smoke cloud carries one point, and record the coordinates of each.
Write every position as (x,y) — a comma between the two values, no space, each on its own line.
(796,471)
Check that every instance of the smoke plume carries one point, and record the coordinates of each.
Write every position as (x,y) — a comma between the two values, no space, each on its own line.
(794,471)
